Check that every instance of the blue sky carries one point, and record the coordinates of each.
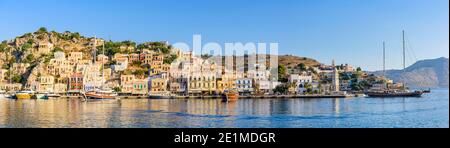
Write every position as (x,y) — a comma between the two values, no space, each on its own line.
(349,31)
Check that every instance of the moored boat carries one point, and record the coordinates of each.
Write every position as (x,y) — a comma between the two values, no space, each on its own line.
(42,96)
(3,94)
(104,94)
(166,95)
(53,95)
(230,96)
(394,93)
(24,94)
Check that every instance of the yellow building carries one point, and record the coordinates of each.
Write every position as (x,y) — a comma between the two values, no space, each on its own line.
(126,79)
(157,61)
(46,83)
(148,58)
(158,85)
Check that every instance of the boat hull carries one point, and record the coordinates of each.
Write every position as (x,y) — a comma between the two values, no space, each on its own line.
(40,96)
(23,96)
(159,97)
(230,97)
(99,97)
(394,95)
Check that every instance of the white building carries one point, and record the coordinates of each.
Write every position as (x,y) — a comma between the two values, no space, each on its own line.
(122,64)
(60,55)
(244,85)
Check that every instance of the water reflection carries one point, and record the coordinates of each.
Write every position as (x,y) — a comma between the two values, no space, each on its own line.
(356,112)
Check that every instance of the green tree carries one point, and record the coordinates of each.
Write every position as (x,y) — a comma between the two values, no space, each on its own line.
(137,63)
(42,30)
(3,46)
(302,66)
(358,69)
(26,46)
(170,59)
(282,73)
(282,89)
(29,58)
(16,79)
(117,89)
(56,49)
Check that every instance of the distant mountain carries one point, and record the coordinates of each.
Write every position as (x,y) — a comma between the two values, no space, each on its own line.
(432,73)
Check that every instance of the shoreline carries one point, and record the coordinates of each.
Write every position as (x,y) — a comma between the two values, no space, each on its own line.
(220,97)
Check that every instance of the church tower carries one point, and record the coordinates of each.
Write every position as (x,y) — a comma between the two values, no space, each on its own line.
(335,81)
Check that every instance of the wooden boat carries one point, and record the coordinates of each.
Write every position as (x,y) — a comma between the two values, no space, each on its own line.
(101,95)
(230,96)
(404,92)
(24,94)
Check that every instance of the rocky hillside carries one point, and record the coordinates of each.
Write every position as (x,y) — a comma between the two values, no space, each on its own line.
(432,73)
(37,48)
(291,61)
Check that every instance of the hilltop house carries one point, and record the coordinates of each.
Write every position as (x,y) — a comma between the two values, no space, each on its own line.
(75,56)
(102,59)
(44,48)
(20,68)
(60,55)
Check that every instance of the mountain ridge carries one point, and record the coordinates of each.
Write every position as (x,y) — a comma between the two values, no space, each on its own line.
(428,73)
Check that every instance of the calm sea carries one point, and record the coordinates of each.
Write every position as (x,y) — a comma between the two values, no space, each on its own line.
(432,110)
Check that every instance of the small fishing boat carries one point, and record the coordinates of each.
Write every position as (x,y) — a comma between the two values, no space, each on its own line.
(27,94)
(42,96)
(230,96)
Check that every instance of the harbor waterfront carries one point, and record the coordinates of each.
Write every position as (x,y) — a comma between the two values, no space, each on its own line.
(430,110)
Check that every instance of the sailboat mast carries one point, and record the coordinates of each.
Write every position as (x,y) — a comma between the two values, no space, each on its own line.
(103,66)
(404,52)
(384,59)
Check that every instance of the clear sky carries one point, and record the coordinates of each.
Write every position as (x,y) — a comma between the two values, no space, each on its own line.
(349,31)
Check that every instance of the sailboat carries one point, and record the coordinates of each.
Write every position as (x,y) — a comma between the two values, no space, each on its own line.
(102,93)
(386,93)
